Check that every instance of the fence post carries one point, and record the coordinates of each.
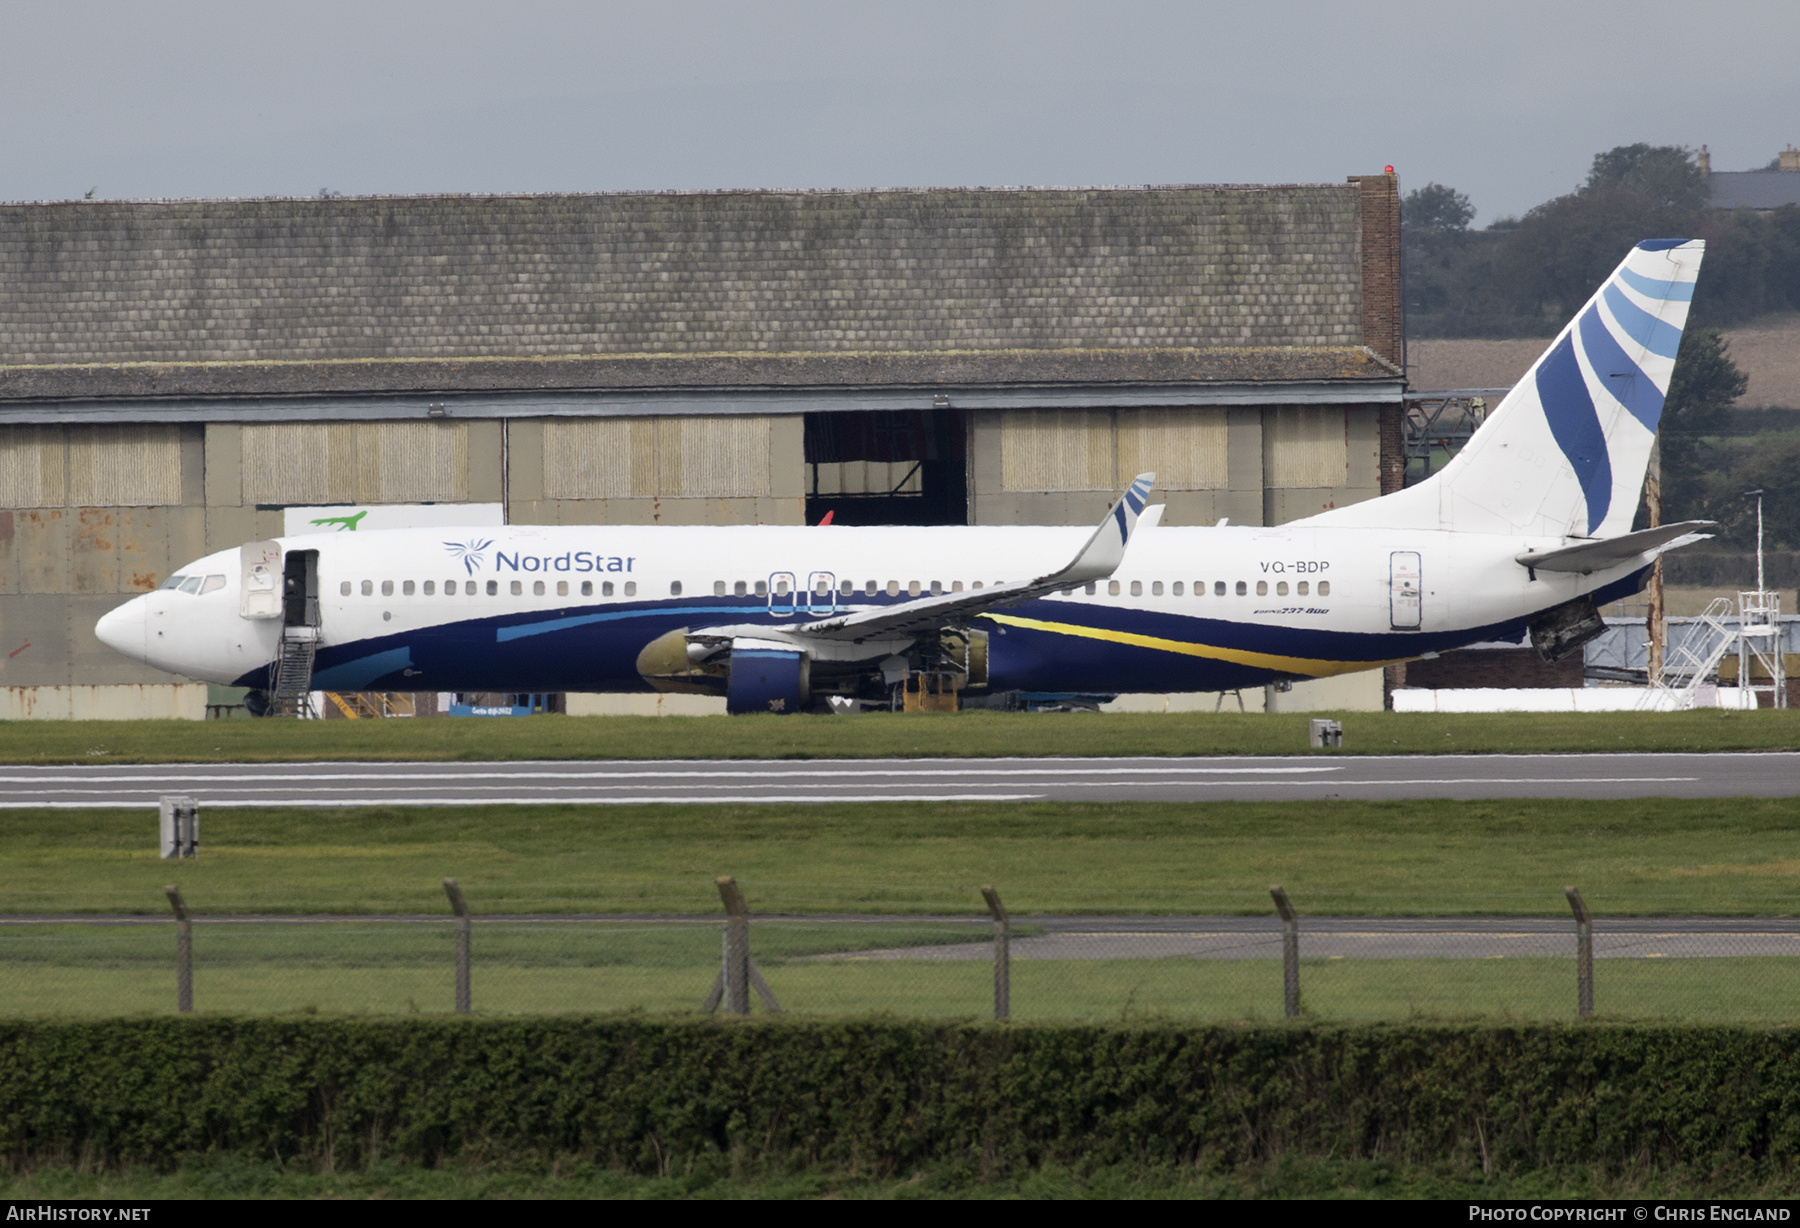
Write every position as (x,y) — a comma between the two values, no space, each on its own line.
(1002,954)
(184,951)
(460,907)
(737,948)
(1290,952)
(1584,953)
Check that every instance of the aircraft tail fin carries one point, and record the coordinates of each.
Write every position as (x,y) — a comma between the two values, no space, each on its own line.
(1564,453)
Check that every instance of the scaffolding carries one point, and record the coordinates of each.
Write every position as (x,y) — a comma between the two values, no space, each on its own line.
(1751,631)
(1441,422)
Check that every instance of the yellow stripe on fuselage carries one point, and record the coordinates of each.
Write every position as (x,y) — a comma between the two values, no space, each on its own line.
(1306,666)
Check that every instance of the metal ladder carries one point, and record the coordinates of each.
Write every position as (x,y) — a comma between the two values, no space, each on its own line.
(292,694)
(1697,658)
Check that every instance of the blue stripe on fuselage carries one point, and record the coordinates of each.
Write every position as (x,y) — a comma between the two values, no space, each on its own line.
(470,656)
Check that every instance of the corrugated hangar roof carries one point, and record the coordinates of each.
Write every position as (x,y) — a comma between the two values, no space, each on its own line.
(718,289)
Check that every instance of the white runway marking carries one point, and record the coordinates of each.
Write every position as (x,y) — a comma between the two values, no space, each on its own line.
(534,801)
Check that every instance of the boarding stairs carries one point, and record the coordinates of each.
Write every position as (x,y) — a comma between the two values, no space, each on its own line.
(1695,661)
(292,693)
(370,705)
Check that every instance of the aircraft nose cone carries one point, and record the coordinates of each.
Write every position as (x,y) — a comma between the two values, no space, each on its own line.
(122,630)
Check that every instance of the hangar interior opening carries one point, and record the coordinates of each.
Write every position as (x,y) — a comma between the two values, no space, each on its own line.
(906,467)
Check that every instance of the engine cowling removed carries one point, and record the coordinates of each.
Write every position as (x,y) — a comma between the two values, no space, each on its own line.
(753,675)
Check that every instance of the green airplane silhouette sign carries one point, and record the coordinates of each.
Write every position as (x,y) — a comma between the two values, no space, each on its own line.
(345,524)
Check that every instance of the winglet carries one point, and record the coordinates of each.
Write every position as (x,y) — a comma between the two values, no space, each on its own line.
(1105,550)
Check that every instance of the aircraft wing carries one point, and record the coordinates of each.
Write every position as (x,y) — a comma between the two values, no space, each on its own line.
(1097,560)
(1611,551)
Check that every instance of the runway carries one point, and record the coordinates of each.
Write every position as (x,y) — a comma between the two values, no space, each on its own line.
(787,782)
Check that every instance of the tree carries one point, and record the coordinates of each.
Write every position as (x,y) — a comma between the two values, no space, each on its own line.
(1436,207)
(1666,174)
(1701,392)
(1566,247)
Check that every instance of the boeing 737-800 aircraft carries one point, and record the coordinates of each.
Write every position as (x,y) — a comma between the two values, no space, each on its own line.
(1527,529)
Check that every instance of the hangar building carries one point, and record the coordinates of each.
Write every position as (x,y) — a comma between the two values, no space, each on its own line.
(174,375)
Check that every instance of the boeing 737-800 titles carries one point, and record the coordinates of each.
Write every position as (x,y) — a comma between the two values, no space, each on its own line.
(1527,529)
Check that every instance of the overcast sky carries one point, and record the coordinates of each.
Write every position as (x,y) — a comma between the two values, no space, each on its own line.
(1506,100)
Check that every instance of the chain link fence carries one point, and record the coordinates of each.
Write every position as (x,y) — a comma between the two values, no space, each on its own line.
(1046,967)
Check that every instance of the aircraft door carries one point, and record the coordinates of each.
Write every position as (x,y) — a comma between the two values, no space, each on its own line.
(259,580)
(783,601)
(821,593)
(300,589)
(1405,592)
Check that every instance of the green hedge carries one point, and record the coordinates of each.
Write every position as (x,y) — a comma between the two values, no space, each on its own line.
(889,1096)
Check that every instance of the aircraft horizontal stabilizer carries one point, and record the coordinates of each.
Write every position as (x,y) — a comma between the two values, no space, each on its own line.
(1097,560)
(1611,551)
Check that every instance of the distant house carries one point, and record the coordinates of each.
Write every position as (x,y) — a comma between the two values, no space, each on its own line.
(1764,189)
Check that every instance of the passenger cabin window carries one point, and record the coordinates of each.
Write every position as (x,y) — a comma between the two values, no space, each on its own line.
(343,589)
(406,588)
(762,588)
(1301,588)
(1219,588)
(977,584)
(562,588)
(630,588)
(1242,588)
(872,587)
(430,588)
(675,588)
(606,588)
(847,588)
(956,586)
(518,588)
(1324,588)
(1281,588)
(587,588)
(387,588)
(494,588)
(1089,588)
(1112,588)
(893,588)
(740,589)
(537,588)
(213,584)
(1262,588)
(1137,588)
(1156,589)
(718,588)
(912,588)
(1177,589)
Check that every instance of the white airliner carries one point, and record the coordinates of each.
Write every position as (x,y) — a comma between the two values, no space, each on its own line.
(1527,529)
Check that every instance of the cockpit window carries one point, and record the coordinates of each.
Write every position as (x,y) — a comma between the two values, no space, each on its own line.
(213,584)
(175,581)
(191,584)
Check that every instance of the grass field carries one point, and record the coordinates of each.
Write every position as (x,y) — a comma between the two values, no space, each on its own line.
(1423,858)
(959,735)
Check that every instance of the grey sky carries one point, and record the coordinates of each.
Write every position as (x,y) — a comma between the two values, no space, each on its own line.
(1506,99)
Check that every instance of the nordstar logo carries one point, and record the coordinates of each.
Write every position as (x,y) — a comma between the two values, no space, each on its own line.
(469,552)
